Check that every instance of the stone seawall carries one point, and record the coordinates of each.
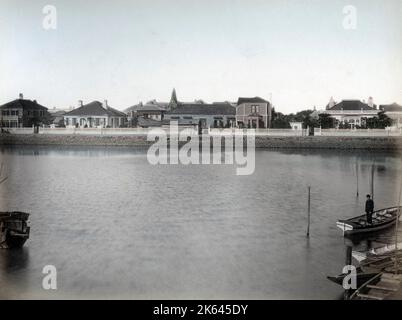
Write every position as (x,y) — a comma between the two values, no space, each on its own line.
(269,142)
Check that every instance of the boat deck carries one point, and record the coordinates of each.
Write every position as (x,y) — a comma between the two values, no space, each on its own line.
(386,287)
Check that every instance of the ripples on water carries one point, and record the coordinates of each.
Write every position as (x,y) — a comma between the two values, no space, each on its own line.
(117,227)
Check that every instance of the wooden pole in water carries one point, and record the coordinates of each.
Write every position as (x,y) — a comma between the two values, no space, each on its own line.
(357,179)
(2,179)
(372,181)
(396,230)
(308,211)
(348,257)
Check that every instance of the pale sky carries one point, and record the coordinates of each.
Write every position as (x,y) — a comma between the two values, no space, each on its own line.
(131,51)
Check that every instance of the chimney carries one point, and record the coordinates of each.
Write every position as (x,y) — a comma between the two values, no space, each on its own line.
(80,103)
(370,102)
(104,104)
(21,96)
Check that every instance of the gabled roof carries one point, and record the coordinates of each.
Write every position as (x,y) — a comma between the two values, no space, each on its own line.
(149,106)
(205,109)
(351,105)
(251,100)
(391,107)
(95,108)
(24,104)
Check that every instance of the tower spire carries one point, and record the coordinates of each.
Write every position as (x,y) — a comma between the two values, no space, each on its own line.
(173,100)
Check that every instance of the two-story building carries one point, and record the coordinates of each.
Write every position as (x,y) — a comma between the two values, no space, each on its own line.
(95,115)
(23,113)
(253,113)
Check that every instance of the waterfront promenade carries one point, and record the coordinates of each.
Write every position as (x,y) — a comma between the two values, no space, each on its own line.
(264,138)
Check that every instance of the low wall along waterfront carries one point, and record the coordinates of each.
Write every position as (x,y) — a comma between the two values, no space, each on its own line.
(269,142)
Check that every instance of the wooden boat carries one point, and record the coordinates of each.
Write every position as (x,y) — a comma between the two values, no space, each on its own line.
(361,278)
(383,286)
(14,229)
(382,263)
(382,219)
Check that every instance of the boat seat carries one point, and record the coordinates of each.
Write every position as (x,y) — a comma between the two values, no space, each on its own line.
(372,286)
(369,296)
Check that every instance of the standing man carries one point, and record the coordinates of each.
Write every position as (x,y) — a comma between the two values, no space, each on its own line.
(369,209)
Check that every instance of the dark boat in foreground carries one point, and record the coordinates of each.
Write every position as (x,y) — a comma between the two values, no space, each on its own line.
(361,278)
(14,229)
(382,219)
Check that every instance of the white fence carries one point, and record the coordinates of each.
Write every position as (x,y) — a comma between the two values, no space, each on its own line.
(19,130)
(258,132)
(95,131)
(167,130)
(212,131)
(389,132)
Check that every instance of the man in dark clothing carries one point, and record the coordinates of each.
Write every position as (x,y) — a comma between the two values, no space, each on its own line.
(369,209)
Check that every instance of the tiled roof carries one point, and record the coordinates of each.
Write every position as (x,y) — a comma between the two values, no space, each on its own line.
(204,109)
(251,100)
(351,105)
(95,108)
(147,107)
(142,122)
(391,107)
(24,104)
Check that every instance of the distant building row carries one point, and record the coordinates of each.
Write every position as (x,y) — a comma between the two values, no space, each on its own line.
(245,113)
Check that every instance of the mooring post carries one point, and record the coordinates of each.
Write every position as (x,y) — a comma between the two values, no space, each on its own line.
(357,179)
(348,258)
(372,181)
(308,211)
(396,230)
(348,262)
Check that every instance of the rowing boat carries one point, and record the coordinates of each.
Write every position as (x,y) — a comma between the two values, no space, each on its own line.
(14,229)
(383,286)
(381,219)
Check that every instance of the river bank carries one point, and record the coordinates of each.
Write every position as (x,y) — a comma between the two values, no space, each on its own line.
(268,142)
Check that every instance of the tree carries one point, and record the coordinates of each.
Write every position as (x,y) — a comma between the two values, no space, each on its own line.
(304,116)
(279,120)
(326,121)
(381,121)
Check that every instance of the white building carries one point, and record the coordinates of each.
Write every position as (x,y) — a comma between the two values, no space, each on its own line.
(393,111)
(351,112)
(296,125)
(95,115)
(216,115)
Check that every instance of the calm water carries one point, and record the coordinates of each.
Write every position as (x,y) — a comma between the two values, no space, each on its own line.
(116,227)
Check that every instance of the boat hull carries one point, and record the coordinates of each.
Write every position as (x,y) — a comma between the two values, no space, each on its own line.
(14,229)
(385,219)
(361,278)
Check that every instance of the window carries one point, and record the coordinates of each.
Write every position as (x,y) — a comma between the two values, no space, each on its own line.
(255,109)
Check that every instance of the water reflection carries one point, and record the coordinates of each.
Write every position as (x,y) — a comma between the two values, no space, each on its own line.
(14,260)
